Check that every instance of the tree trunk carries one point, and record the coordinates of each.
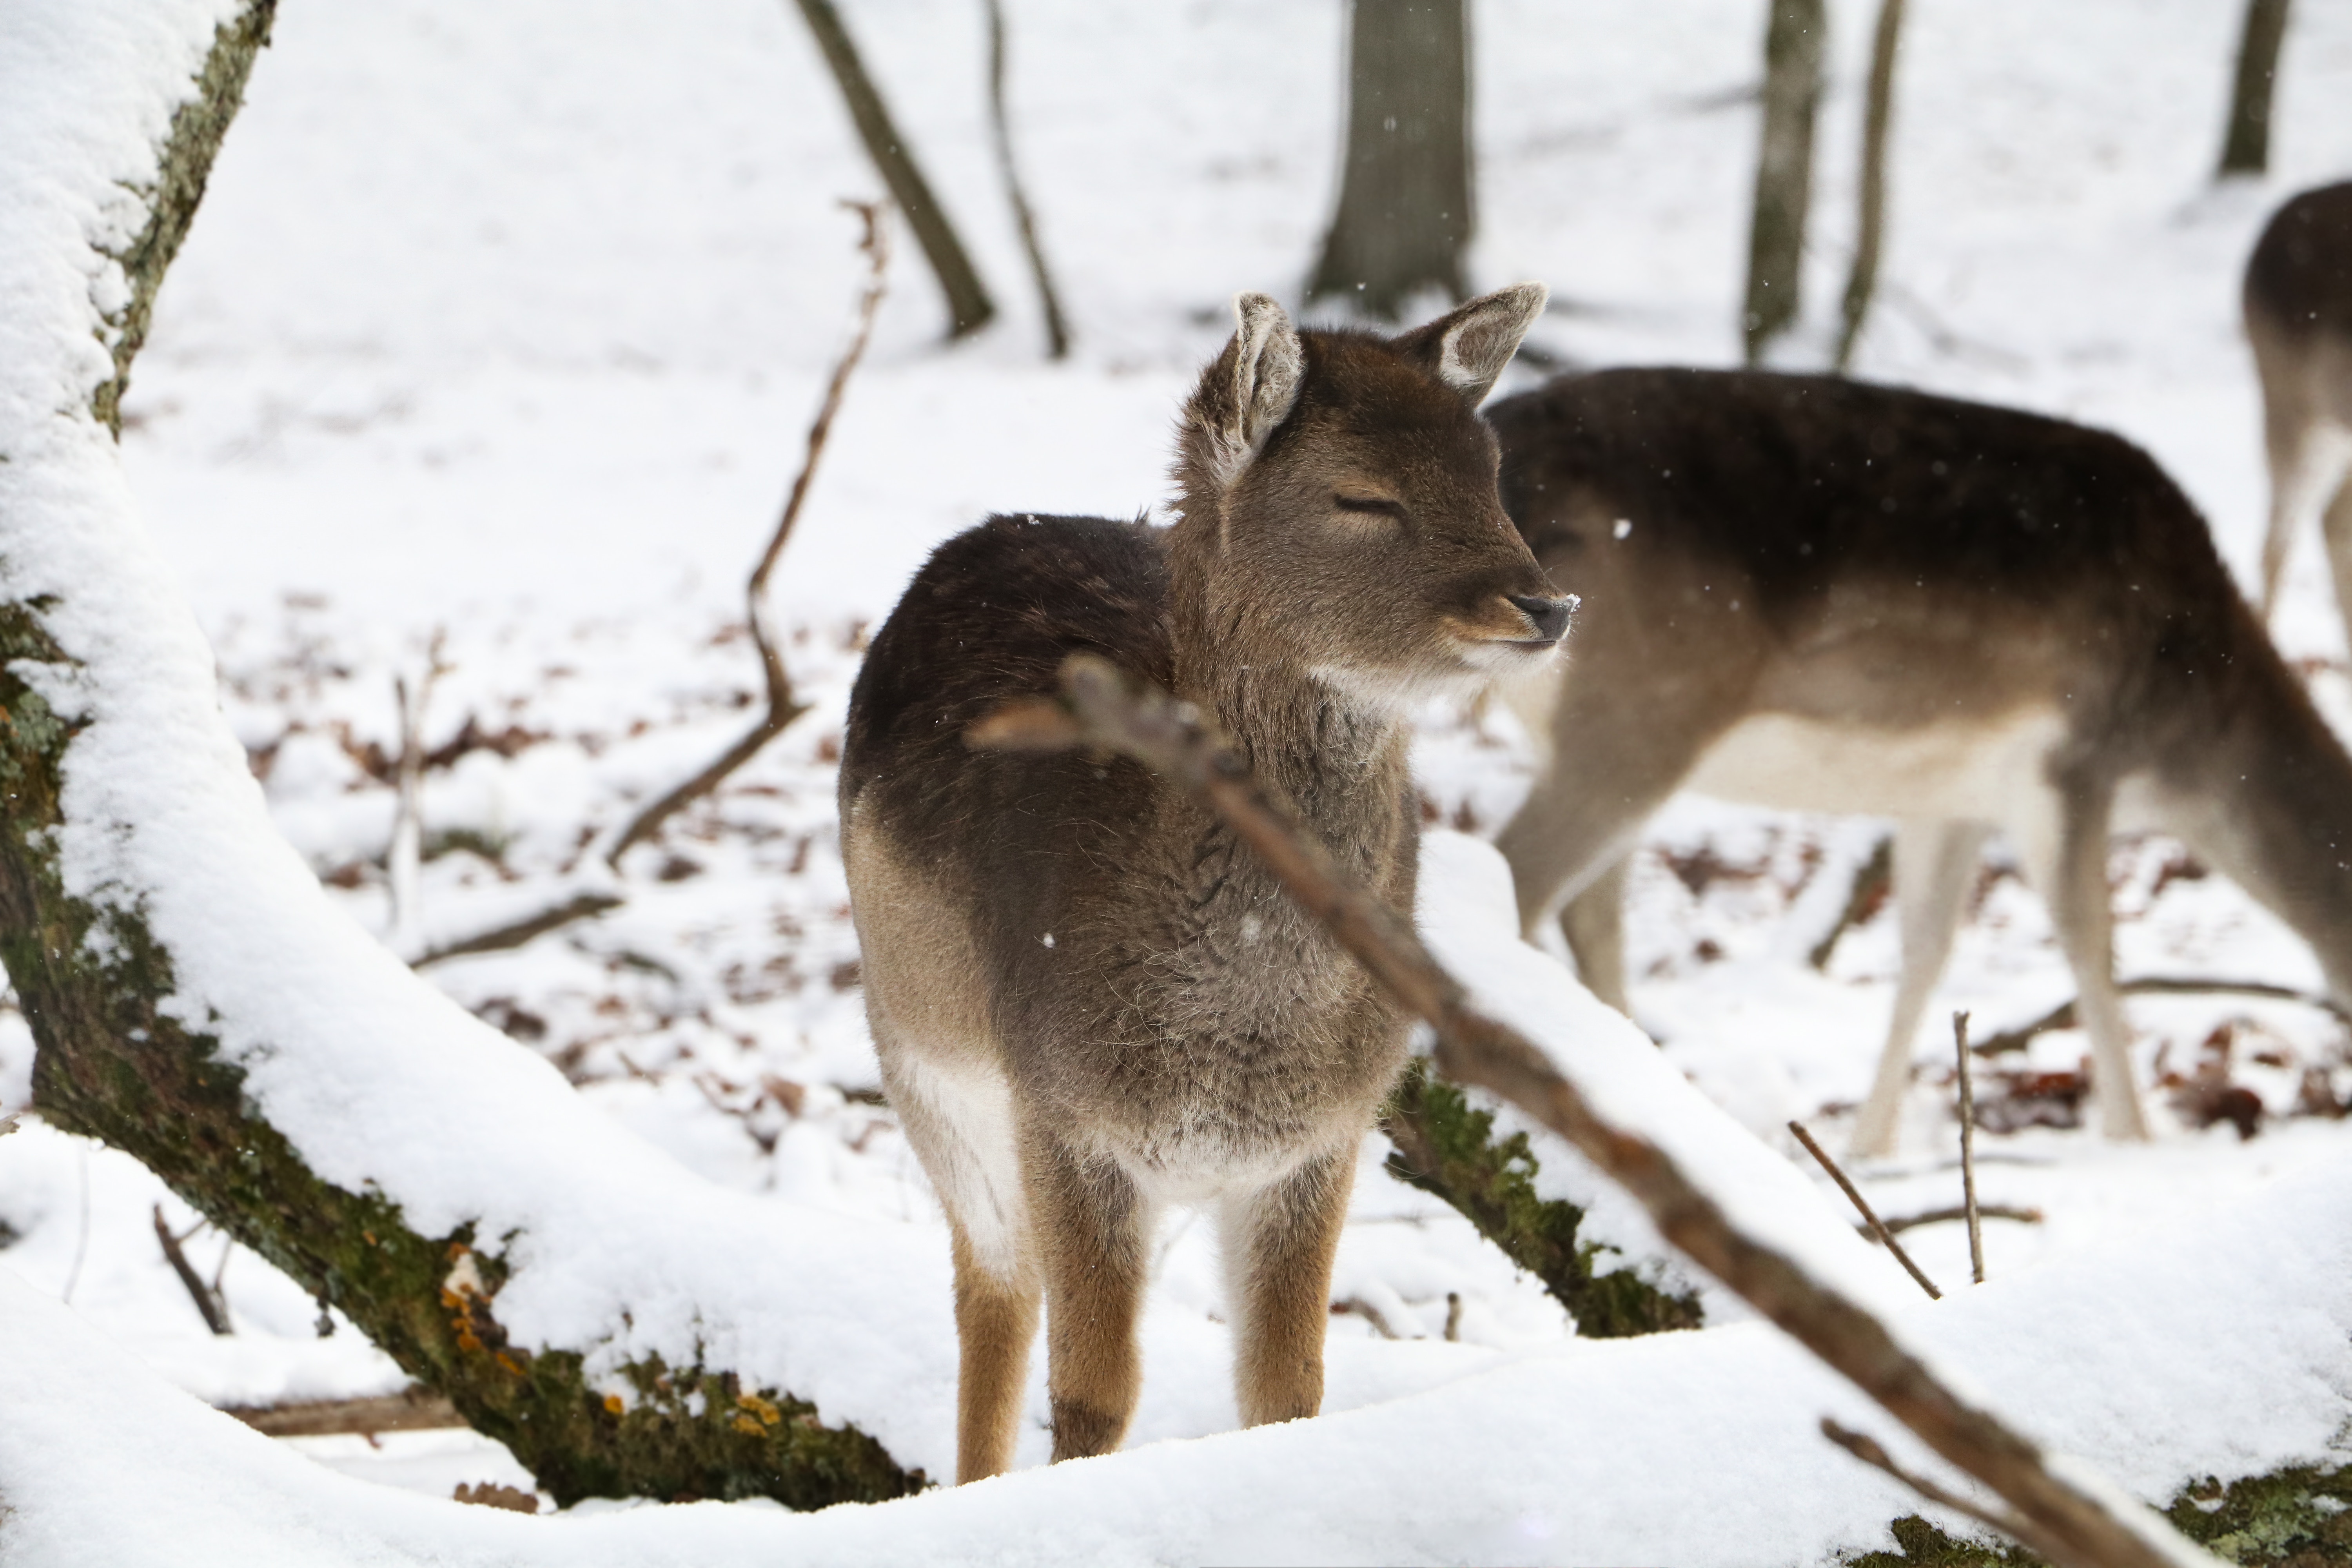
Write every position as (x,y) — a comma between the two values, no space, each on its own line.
(1405,194)
(127,1050)
(1794,36)
(969,306)
(2246,141)
(1878,113)
(1049,299)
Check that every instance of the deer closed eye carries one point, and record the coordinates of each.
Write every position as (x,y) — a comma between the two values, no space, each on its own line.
(1363,505)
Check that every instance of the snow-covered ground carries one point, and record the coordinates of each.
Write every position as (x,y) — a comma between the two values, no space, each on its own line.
(500,325)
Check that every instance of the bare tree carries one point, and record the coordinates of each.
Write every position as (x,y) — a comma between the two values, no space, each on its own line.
(1405,202)
(2246,141)
(1877,117)
(969,306)
(1794,36)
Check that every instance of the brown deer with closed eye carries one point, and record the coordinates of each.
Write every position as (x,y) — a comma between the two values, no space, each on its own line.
(1089,1000)
(1822,596)
(2298,311)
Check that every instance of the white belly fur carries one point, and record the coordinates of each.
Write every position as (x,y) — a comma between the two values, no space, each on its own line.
(1967,770)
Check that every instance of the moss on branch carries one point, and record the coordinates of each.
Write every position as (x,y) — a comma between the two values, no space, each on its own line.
(1447,1146)
(2299,1516)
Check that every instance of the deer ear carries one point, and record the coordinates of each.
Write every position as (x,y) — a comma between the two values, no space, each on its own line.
(1249,389)
(1467,347)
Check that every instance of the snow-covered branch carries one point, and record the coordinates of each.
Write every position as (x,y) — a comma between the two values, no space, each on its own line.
(196,1001)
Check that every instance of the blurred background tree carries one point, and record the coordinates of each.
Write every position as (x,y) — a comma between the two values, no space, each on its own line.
(1794,34)
(2246,141)
(1405,193)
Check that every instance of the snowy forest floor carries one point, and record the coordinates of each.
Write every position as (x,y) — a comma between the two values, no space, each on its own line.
(497,333)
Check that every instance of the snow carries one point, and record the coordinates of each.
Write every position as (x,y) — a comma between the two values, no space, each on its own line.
(506,319)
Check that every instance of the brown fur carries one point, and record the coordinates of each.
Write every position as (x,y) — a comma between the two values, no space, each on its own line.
(1827,595)
(2298,312)
(1089,1000)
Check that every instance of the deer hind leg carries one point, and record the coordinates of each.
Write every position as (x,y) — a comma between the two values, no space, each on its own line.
(2072,866)
(2336,527)
(1278,1243)
(959,1118)
(1093,1229)
(1935,864)
(1595,924)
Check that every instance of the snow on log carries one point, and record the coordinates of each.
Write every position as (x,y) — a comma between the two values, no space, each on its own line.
(623,1326)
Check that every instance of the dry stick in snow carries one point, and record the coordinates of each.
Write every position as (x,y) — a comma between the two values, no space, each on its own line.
(1968,1149)
(1869,1215)
(403,861)
(784,706)
(1937,1216)
(1866,1448)
(1057,331)
(207,1297)
(2057,1517)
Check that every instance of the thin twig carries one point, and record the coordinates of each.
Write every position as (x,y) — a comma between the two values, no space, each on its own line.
(418,1409)
(2072,1525)
(214,1310)
(784,706)
(1968,1149)
(1866,1448)
(1370,1314)
(2062,1016)
(1057,331)
(81,1243)
(403,859)
(1937,1216)
(1869,1217)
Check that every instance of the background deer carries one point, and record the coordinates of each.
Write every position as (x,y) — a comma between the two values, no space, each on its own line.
(1821,596)
(2298,306)
(1088,1000)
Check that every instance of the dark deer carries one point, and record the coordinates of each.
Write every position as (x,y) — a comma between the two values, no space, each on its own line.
(1089,1001)
(1821,596)
(2298,304)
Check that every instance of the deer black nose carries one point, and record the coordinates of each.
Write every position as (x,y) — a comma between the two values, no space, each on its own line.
(1547,616)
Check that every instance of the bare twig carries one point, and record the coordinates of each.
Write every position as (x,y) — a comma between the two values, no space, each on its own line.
(416,1410)
(1968,1149)
(1057,331)
(1866,1448)
(1876,1226)
(1453,1316)
(1938,1217)
(2062,1016)
(214,1310)
(402,860)
(579,907)
(2070,1524)
(1370,1314)
(784,706)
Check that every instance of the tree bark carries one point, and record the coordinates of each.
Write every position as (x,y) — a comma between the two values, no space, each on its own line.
(120,1057)
(1405,194)
(969,306)
(2246,140)
(1877,117)
(1794,36)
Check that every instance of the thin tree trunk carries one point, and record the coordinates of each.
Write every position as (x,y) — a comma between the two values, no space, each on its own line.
(2246,141)
(1794,36)
(1877,116)
(1057,329)
(120,1055)
(969,306)
(1405,202)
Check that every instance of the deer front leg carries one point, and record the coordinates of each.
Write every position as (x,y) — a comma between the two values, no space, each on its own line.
(1278,1243)
(1935,864)
(1093,1229)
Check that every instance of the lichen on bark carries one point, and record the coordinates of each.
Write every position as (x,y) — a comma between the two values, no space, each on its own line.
(1447,1146)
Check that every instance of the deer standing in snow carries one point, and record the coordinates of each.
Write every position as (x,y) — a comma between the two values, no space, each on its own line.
(1822,596)
(1089,1000)
(2298,308)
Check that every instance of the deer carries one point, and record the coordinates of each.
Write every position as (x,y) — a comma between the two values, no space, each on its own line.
(1089,1001)
(1820,595)
(2298,313)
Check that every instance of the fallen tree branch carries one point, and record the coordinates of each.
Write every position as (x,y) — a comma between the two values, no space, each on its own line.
(579,907)
(414,1409)
(207,1297)
(1939,1216)
(2062,1016)
(2074,1524)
